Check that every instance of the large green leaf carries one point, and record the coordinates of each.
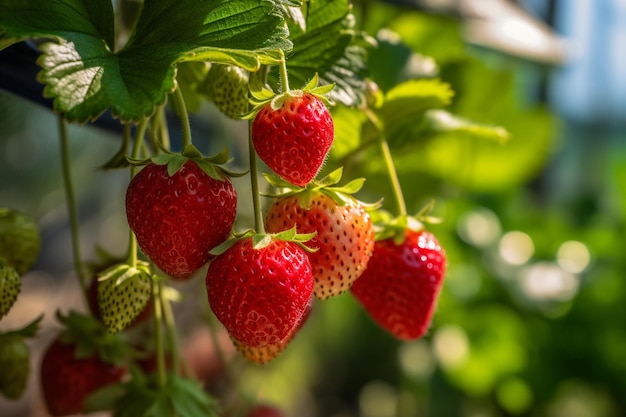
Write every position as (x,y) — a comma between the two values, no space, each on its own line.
(85,75)
(329,47)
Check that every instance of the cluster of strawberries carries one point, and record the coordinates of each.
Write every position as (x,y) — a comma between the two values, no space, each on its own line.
(318,240)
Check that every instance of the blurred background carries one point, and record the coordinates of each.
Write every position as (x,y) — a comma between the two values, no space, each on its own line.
(532,317)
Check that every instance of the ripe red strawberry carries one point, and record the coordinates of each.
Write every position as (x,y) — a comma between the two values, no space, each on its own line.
(264,410)
(345,236)
(400,287)
(19,240)
(292,134)
(264,354)
(10,287)
(179,219)
(67,380)
(227,86)
(260,294)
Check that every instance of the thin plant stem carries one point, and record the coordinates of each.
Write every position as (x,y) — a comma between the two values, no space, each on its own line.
(184,117)
(137,145)
(391,168)
(284,79)
(158,331)
(254,183)
(71,207)
(170,324)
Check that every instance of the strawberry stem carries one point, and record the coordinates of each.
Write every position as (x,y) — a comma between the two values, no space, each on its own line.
(132,240)
(170,324)
(391,168)
(71,207)
(179,102)
(254,182)
(158,332)
(284,79)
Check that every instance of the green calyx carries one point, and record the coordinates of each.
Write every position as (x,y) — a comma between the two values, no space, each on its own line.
(212,166)
(262,95)
(28,331)
(390,227)
(262,240)
(342,195)
(88,336)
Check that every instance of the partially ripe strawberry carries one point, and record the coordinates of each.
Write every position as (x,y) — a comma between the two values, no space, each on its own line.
(293,134)
(260,294)
(10,287)
(19,240)
(68,380)
(15,365)
(179,219)
(227,87)
(345,237)
(400,287)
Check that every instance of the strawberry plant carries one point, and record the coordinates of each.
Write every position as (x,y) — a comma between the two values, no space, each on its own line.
(299,75)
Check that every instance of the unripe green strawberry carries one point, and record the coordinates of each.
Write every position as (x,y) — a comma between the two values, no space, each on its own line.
(19,240)
(123,293)
(227,86)
(14,365)
(10,285)
(15,359)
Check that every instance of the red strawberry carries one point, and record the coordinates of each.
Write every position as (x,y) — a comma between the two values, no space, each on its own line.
(400,287)
(68,380)
(345,237)
(262,355)
(260,294)
(264,410)
(292,134)
(179,219)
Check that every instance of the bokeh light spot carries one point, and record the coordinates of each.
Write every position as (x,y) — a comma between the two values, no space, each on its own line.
(573,256)
(451,346)
(516,248)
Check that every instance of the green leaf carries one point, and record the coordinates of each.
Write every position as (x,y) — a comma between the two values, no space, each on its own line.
(441,121)
(405,104)
(330,47)
(85,75)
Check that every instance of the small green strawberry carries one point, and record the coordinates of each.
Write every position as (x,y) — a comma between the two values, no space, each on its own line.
(19,240)
(10,285)
(123,293)
(15,360)
(227,86)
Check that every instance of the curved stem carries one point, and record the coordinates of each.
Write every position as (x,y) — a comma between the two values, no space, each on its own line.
(391,168)
(71,207)
(254,183)
(184,117)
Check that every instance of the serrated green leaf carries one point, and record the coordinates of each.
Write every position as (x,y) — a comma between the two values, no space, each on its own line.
(441,121)
(348,135)
(330,48)
(85,75)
